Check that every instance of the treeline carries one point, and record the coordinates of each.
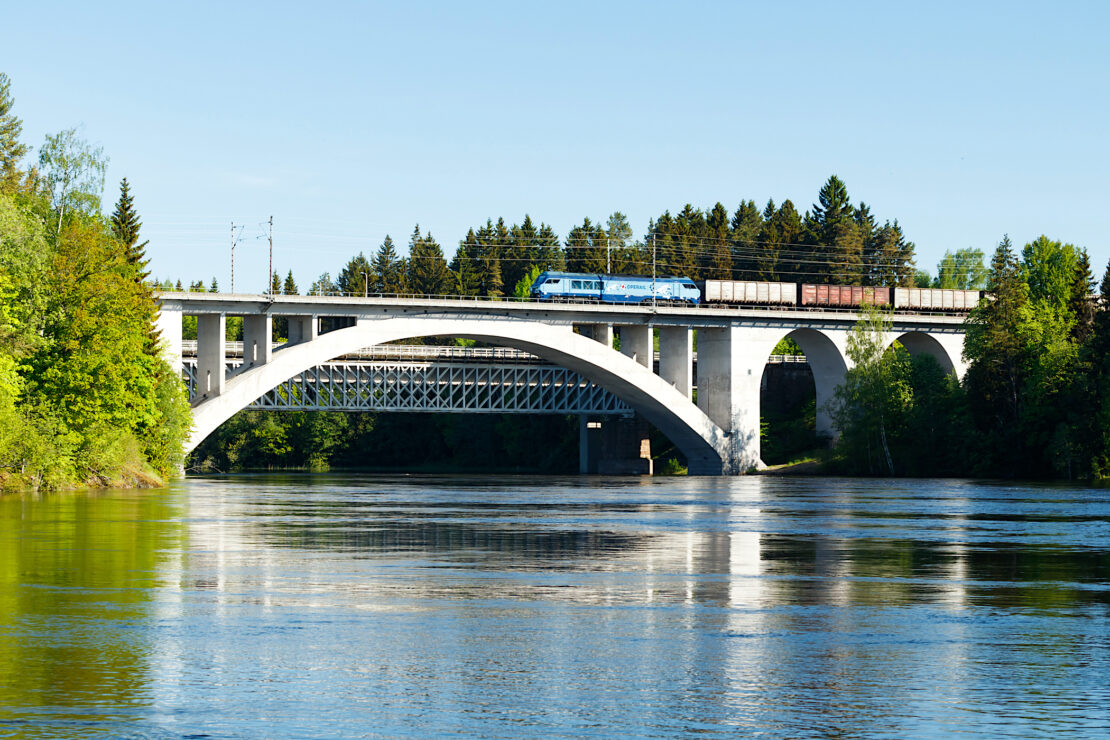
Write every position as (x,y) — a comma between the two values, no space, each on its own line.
(85,396)
(319,440)
(1034,403)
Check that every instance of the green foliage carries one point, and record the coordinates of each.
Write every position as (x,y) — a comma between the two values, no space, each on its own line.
(870,407)
(85,397)
(523,287)
(73,175)
(788,346)
(962,270)
(356,277)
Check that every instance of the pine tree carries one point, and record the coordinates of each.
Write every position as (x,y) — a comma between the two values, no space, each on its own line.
(214,287)
(11,128)
(179,287)
(893,257)
(290,287)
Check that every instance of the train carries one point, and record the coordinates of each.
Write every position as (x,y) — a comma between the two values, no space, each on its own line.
(601,288)
(576,286)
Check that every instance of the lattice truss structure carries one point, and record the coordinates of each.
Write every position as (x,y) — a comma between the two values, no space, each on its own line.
(439,387)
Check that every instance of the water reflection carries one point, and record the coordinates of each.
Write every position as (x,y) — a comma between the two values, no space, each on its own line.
(77,581)
(323,605)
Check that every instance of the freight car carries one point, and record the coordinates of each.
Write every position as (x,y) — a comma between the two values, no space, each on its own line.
(755,293)
(588,287)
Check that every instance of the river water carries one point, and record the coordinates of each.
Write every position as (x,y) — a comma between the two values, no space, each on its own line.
(372,606)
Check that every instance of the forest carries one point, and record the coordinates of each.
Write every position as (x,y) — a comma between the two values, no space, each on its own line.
(85,395)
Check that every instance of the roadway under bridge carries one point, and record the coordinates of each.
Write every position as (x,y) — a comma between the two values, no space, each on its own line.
(719,434)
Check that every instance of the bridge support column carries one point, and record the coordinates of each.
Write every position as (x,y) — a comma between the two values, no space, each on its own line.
(676,357)
(636,343)
(168,325)
(211,354)
(303,329)
(730,368)
(598,332)
(257,339)
(614,446)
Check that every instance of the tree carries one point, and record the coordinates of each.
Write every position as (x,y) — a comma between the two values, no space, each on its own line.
(1081,308)
(275,283)
(836,248)
(125,227)
(871,405)
(323,285)
(585,248)
(1049,267)
(214,287)
(464,270)
(962,270)
(290,286)
(73,174)
(995,348)
(356,277)
(427,268)
(11,128)
(892,258)
(388,269)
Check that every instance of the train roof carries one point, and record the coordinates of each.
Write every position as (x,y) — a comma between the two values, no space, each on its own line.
(555,273)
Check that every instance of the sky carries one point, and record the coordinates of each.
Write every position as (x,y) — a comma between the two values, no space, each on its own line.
(349,121)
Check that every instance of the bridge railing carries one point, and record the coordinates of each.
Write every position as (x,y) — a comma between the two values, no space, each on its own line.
(480,299)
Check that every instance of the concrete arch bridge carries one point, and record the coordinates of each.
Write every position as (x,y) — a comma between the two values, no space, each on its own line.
(718,434)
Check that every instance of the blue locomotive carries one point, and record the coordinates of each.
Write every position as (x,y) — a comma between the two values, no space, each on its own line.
(577,286)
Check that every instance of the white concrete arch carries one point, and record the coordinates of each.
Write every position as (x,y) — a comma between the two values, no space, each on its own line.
(706,445)
(947,349)
(827,355)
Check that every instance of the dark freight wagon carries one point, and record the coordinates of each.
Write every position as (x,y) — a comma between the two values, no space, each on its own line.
(844,295)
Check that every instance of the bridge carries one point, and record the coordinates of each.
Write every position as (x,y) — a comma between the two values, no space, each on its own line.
(719,434)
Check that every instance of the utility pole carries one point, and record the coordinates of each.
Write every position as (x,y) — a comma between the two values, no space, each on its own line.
(653,272)
(270,276)
(608,259)
(234,241)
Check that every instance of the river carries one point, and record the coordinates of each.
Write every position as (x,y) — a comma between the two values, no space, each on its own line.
(407,606)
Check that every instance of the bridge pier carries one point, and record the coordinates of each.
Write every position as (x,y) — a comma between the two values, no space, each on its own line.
(303,329)
(598,332)
(257,339)
(730,369)
(211,354)
(676,357)
(636,342)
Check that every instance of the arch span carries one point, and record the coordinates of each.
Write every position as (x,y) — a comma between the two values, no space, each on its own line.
(703,442)
(828,362)
(947,349)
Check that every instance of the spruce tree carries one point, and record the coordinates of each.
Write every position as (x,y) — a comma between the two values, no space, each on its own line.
(357,277)
(746,224)
(125,225)
(388,269)
(275,284)
(427,268)
(290,287)
(214,287)
(1080,305)
(11,128)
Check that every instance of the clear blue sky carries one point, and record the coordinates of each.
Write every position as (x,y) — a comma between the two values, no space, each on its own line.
(353,120)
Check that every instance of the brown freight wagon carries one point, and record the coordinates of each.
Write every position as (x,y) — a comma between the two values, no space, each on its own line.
(844,295)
